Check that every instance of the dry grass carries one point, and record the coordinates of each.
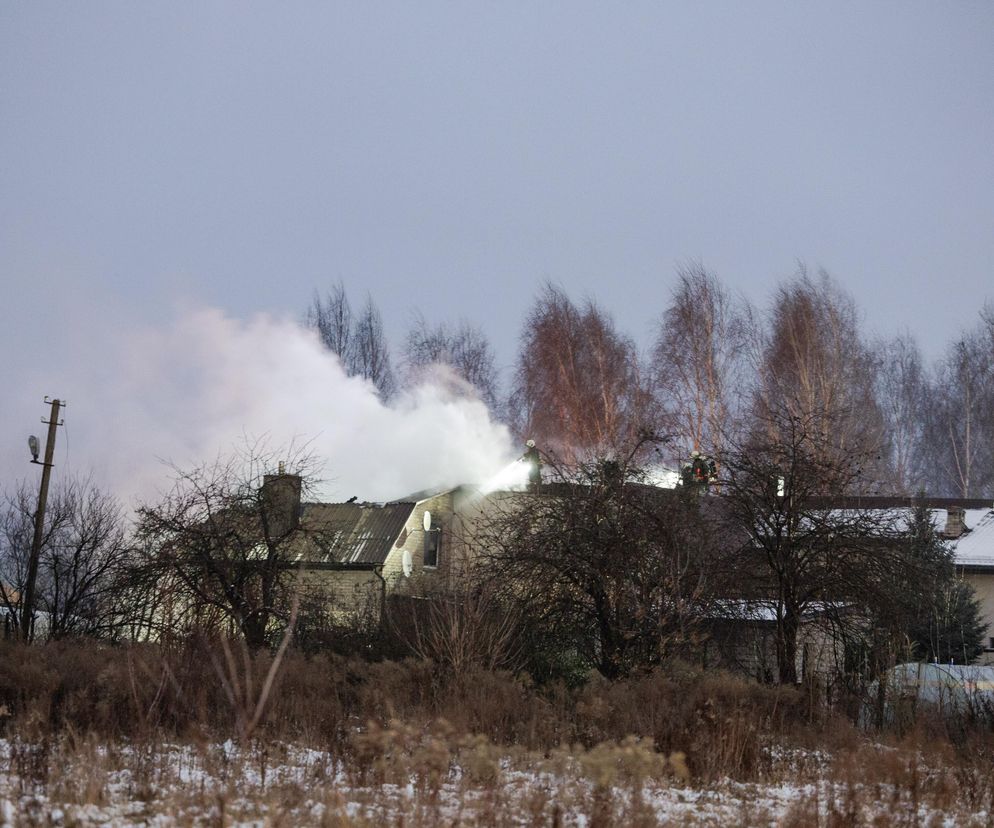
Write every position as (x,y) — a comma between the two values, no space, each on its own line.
(100,735)
(421,777)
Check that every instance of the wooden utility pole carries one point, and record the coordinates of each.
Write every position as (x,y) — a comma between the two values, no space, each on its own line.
(28,598)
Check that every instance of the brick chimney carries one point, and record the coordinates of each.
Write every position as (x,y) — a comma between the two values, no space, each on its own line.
(955,523)
(281,502)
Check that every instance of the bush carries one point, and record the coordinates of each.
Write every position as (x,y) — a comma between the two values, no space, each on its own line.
(144,691)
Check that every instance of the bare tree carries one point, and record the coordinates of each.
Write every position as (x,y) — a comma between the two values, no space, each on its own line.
(987,324)
(698,361)
(601,567)
(17,528)
(901,392)
(463,348)
(359,341)
(83,562)
(803,548)
(813,363)
(224,540)
(372,355)
(461,628)
(959,421)
(579,389)
(331,317)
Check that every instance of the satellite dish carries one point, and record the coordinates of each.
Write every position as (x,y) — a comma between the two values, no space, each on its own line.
(426,522)
(407,563)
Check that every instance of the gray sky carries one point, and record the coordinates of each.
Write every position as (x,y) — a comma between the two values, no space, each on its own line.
(448,157)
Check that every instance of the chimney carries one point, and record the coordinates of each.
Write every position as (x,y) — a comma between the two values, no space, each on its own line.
(281,502)
(955,523)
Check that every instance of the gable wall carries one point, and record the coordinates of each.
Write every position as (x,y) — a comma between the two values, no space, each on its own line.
(983,588)
(348,594)
(440,507)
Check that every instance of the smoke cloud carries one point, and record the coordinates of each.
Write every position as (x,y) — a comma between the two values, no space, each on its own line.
(186,391)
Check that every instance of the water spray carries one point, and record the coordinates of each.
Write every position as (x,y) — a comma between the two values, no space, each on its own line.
(516,475)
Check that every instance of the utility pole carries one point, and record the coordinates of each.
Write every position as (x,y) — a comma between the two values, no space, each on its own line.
(28,599)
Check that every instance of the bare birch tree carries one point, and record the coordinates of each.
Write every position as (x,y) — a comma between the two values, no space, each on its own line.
(464,348)
(371,352)
(359,341)
(331,317)
(959,420)
(901,392)
(813,362)
(579,389)
(698,361)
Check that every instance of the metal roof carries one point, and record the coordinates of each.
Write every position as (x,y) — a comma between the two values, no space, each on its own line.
(353,532)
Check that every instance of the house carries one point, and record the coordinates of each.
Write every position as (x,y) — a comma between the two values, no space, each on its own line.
(359,552)
(362,552)
(969,528)
(742,638)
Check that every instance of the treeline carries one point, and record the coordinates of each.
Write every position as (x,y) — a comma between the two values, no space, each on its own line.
(795,403)
(717,367)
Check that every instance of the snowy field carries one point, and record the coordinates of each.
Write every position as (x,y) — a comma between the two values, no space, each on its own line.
(84,783)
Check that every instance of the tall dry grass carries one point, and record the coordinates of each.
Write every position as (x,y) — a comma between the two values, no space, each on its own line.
(95,726)
(208,689)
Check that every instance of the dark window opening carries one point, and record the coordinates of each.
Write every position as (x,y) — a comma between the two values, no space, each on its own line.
(433,540)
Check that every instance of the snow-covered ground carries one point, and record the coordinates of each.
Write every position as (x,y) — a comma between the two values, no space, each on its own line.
(85,784)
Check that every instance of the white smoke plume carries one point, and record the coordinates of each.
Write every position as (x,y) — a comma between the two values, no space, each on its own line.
(192,389)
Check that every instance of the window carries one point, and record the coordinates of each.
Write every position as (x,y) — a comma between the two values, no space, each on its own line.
(433,540)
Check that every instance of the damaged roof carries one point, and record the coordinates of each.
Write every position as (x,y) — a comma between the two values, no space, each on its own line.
(361,533)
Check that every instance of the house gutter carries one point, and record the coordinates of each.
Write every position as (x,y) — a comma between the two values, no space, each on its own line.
(974,568)
(335,566)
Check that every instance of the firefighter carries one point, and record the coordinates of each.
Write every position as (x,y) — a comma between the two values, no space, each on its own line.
(534,461)
(700,470)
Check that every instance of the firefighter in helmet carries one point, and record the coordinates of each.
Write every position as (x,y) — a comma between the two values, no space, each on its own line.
(534,461)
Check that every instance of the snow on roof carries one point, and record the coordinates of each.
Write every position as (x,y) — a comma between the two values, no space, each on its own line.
(749,609)
(976,547)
